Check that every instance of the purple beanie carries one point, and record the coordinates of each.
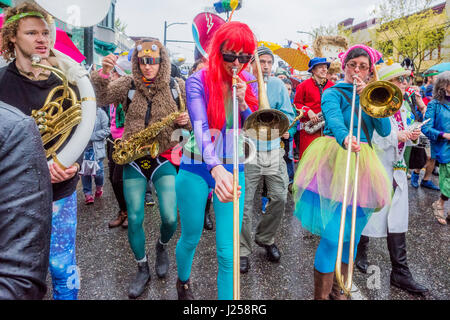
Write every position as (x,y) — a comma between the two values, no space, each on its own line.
(374,55)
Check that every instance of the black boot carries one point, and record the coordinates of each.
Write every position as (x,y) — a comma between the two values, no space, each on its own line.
(184,290)
(361,254)
(401,277)
(162,259)
(137,286)
(208,224)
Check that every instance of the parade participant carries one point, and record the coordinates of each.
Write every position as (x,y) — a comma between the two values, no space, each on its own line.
(438,131)
(289,142)
(392,220)
(117,119)
(271,167)
(25,208)
(207,163)
(320,174)
(94,155)
(431,75)
(308,97)
(150,91)
(419,157)
(26,32)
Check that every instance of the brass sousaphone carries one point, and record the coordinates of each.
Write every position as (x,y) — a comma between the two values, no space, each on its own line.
(56,124)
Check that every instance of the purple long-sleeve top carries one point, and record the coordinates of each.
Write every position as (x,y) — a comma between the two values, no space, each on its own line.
(197,96)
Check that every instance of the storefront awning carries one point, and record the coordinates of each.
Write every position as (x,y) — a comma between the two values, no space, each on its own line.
(104,48)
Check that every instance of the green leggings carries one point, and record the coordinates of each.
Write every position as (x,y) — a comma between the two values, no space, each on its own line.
(192,193)
(134,187)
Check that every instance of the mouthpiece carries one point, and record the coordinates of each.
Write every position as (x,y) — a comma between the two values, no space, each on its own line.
(234,82)
(35,58)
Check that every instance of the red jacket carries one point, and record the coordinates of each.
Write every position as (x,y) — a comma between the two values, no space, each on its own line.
(307,97)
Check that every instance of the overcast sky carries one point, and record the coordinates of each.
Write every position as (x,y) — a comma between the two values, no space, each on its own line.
(271,20)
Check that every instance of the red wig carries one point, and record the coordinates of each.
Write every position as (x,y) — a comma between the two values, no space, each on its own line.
(232,36)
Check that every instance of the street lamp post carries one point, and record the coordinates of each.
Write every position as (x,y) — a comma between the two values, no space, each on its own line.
(167,26)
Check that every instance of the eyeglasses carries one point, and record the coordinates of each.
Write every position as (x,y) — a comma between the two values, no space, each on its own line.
(353,65)
(403,78)
(229,57)
(148,60)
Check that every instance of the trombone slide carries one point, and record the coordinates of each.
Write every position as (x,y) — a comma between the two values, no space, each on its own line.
(236,236)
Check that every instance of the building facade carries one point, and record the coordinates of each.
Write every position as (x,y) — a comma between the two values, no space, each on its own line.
(368,33)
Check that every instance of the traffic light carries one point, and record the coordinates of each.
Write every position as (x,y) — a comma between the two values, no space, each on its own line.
(224,6)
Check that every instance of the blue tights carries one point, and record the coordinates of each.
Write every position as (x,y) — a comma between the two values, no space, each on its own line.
(135,186)
(326,253)
(192,193)
(63,268)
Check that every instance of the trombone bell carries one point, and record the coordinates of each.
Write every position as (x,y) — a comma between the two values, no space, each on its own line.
(261,123)
(381,99)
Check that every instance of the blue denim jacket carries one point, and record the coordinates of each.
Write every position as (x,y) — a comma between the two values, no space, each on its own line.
(439,114)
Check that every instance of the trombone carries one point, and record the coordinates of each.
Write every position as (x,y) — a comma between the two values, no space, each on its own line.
(236,236)
(379,99)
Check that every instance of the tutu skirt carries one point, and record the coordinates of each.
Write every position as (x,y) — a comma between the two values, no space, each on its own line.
(319,185)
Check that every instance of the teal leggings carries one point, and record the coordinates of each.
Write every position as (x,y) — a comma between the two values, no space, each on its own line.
(134,187)
(192,193)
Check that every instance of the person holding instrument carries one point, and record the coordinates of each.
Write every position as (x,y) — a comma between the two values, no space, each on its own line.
(308,97)
(207,156)
(392,221)
(270,166)
(27,33)
(150,91)
(319,180)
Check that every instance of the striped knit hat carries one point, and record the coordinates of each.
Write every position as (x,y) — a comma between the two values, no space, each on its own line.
(262,50)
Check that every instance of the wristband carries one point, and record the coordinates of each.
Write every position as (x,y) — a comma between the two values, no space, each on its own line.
(101,74)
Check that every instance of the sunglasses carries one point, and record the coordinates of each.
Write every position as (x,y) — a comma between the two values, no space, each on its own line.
(353,65)
(148,60)
(229,57)
(403,78)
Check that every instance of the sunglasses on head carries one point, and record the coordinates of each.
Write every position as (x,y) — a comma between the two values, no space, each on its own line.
(148,60)
(230,57)
(403,78)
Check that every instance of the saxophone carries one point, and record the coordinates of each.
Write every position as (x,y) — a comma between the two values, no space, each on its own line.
(143,143)
(313,128)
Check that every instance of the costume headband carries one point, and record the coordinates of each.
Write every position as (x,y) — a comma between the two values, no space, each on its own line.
(151,49)
(23,15)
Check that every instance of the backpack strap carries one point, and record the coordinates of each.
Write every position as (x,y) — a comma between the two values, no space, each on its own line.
(173,89)
(363,123)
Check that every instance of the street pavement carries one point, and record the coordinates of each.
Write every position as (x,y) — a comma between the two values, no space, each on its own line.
(107,265)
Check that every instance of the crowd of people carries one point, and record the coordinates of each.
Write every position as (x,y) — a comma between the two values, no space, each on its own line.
(190,163)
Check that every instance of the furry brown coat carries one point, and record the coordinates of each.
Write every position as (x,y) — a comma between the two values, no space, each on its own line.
(159,94)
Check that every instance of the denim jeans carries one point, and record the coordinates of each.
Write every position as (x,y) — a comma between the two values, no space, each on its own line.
(87,180)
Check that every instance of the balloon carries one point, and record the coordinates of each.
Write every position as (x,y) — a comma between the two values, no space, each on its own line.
(234,4)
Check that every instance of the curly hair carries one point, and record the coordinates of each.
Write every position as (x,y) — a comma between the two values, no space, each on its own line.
(9,30)
(440,86)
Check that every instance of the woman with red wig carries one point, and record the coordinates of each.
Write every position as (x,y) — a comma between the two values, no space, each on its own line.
(207,156)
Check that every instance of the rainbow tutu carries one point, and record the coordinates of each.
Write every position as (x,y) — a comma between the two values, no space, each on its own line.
(319,184)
